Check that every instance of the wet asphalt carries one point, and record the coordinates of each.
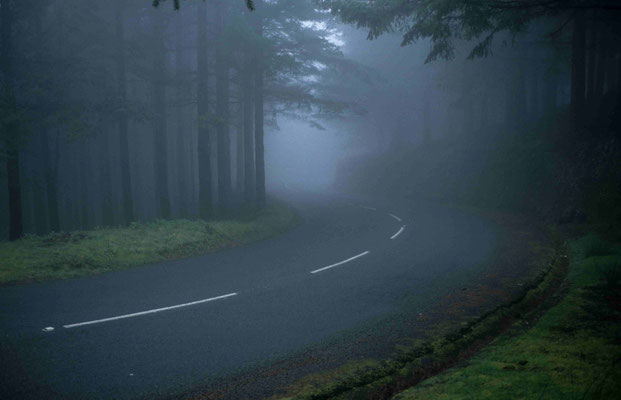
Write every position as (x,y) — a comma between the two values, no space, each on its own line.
(279,306)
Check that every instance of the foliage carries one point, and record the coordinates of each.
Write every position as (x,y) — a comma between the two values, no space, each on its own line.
(80,253)
(177,4)
(595,246)
(537,171)
(445,21)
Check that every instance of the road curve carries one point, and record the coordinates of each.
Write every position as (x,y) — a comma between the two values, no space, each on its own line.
(163,329)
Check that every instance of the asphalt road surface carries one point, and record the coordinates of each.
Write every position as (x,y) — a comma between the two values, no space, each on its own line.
(164,329)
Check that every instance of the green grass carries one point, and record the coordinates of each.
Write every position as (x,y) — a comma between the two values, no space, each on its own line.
(593,245)
(572,352)
(81,253)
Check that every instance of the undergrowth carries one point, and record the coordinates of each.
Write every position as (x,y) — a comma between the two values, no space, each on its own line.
(573,351)
(71,254)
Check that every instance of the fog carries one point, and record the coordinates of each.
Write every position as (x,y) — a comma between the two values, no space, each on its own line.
(260,199)
(300,156)
(116,113)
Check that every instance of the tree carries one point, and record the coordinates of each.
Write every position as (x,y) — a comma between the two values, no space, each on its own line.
(578,68)
(259,154)
(177,4)
(181,88)
(9,121)
(444,22)
(158,81)
(204,140)
(121,114)
(222,108)
(248,128)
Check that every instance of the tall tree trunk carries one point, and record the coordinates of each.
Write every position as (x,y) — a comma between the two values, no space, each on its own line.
(51,181)
(516,99)
(16,229)
(126,185)
(84,179)
(534,94)
(550,92)
(259,118)
(50,171)
(611,66)
(160,160)
(578,68)
(205,201)
(248,115)
(222,111)
(619,67)
(592,57)
(603,48)
(239,154)
(520,113)
(40,208)
(38,187)
(182,196)
(107,209)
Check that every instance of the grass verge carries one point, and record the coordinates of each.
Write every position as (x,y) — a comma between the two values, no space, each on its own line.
(373,379)
(80,253)
(572,352)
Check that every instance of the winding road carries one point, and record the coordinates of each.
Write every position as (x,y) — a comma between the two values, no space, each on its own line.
(163,329)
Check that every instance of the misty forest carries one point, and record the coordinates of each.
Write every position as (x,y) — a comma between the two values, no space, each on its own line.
(313,199)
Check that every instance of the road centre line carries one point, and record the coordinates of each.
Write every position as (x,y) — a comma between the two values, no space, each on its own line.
(395,217)
(398,232)
(340,263)
(98,321)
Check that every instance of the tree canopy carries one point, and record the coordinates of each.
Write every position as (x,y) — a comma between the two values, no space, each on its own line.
(177,4)
(443,22)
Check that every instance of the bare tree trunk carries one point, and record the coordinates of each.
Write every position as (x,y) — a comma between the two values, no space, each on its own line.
(600,69)
(259,119)
(222,111)
(50,171)
(520,113)
(578,69)
(248,115)
(38,186)
(16,229)
(106,181)
(534,94)
(592,57)
(611,66)
(160,161)
(181,127)
(550,92)
(84,177)
(239,153)
(205,202)
(51,181)
(126,186)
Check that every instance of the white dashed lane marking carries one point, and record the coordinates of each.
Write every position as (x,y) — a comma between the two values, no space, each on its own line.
(398,232)
(156,310)
(340,263)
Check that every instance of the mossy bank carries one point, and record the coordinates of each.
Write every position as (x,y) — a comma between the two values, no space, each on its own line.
(81,253)
(572,352)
